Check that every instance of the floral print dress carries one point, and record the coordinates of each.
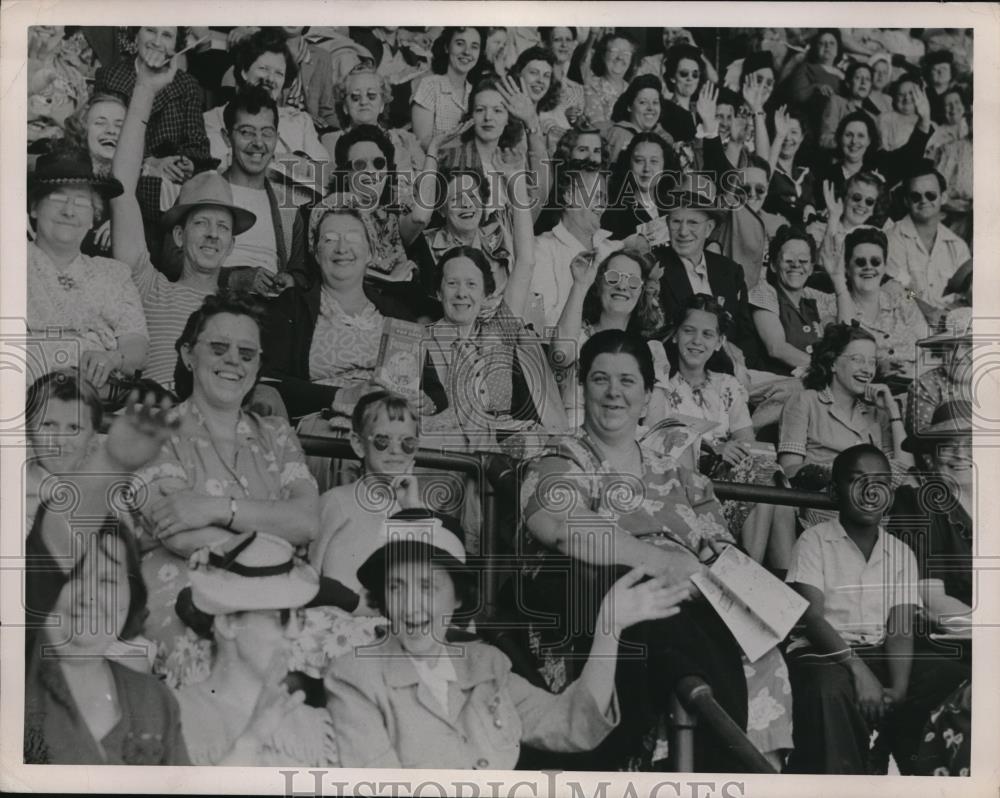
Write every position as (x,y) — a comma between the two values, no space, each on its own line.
(269,463)
(673,508)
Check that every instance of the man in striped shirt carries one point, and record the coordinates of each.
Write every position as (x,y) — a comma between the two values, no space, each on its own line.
(204,224)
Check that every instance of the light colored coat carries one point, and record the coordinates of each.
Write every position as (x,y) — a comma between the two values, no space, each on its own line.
(385,716)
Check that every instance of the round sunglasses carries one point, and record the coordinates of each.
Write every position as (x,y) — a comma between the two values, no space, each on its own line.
(409,444)
(612,277)
(361,164)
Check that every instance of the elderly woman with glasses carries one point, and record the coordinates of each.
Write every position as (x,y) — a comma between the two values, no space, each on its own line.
(224,471)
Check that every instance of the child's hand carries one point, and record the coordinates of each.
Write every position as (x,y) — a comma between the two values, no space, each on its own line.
(407,491)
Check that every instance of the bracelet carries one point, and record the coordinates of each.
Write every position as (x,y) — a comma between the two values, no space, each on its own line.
(895,419)
(431,155)
(232,513)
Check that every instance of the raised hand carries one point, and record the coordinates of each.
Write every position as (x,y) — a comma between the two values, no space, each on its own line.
(137,435)
(584,269)
(782,123)
(921,104)
(517,101)
(705,105)
(447,139)
(155,76)
(834,206)
(754,94)
(629,602)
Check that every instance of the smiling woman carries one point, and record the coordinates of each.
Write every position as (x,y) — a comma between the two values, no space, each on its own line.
(225,470)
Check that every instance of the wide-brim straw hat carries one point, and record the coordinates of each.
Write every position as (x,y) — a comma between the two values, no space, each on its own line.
(951,419)
(207,189)
(70,167)
(258,573)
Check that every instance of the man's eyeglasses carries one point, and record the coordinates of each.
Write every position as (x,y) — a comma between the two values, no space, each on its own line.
(356,96)
(409,444)
(930,196)
(363,164)
(247,354)
(246,133)
(755,189)
(612,277)
(869,201)
(862,262)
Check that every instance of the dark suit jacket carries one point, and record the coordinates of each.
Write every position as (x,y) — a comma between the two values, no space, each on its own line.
(728,284)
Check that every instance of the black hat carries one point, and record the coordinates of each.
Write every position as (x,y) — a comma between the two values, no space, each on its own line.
(69,166)
(411,535)
(760,59)
(951,419)
(620,111)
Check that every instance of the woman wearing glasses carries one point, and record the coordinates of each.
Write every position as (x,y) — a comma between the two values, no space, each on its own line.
(263,59)
(617,293)
(683,77)
(224,471)
(840,407)
(364,98)
(887,310)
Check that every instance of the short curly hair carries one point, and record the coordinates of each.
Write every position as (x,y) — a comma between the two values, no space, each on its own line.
(836,338)
(597,65)
(340,95)
(182,33)
(439,50)
(237,303)
(551,98)
(513,131)
(478,259)
(266,40)
(681,52)
(864,235)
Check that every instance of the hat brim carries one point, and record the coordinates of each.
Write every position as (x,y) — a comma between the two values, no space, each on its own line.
(933,436)
(690,200)
(243,219)
(373,571)
(217,592)
(107,187)
(946,338)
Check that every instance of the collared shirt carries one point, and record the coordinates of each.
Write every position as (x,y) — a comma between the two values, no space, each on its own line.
(697,274)
(437,95)
(385,715)
(857,593)
(812,426)
(552,278)
(925,273)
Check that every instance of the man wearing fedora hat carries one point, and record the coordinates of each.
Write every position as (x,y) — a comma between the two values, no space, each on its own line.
(688,268)
(941,530)
(204,223)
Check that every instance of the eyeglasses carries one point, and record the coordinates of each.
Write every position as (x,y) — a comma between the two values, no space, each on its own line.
(694,74)
(247,354)
(356,96)
(755,189)
(409,444)
(246,133)
(352,237)
(618,52)
(65,200)
(930,196)
(862,262)
(869,201)
(612,277)
(361,164)
(860,360)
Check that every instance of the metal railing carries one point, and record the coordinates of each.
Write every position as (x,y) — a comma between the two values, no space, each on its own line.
(693,703)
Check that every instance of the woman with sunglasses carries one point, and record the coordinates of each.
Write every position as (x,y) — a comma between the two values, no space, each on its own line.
(224,471)
(863,205)
(840,407)
(364,97)
(886,310)
(682,78)
(617,293)
(246,600)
